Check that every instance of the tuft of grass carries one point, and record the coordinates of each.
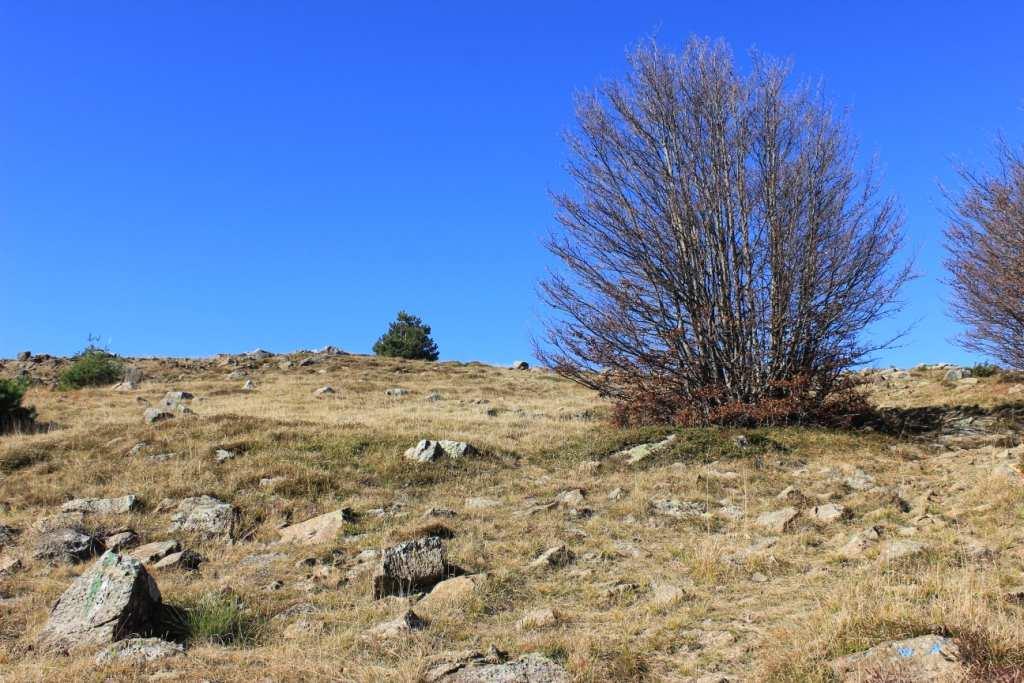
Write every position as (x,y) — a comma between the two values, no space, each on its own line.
(214,618)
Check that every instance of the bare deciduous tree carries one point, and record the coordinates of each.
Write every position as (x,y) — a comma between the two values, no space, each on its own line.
(721,251)
(985,241)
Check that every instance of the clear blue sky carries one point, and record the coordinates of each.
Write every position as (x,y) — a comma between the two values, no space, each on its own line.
(196,177)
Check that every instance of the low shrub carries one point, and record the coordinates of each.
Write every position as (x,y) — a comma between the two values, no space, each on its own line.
(14,416)
(985,370)
(92,367)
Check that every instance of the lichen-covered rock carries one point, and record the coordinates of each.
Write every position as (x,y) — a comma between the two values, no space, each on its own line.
(411,566)
(103,506)
(206,515)
(474,667)
(138,650)
(925,659)
(67,545)
(114,599)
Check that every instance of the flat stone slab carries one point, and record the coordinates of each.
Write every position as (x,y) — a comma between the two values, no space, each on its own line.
(103,506)
(139,650)
(154,552)
(321,529)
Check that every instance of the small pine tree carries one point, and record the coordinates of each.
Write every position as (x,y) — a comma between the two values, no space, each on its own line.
(94,366)
(407,337)
(13,415)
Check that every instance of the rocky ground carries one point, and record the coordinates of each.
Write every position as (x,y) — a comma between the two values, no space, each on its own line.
(321,516)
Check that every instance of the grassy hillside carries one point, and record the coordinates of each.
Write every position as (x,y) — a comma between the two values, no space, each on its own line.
(676,572)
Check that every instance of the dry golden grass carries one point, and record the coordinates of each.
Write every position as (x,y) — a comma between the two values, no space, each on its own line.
(346,450)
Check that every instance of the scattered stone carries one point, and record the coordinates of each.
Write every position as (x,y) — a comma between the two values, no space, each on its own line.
(558,556)
(8,535)
(898,549)
(270,482)
(104,506)
(223,455)
(666,595)
(411,566)
(320,529)
(828,513)
(115,598)
(184,559)
(670,507)
(439,512)
(9,565)
(644,451)
(205,515)
(923,659)
(401,626)
(323,391)
(860,481)
(520,365)
(396,392)
(249,385)
(236,375)
(617,493)
(139,650)
(67,546)
(450,592)
(474,667)
(154,415)
(429,451)
(154,552)
(121,540)
(758,577)
(859,543)
(538,619)
(481,503)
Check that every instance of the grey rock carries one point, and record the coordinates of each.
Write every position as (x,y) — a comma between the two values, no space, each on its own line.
(121,540)
(321,529)
(520,365)
(828,513)
(406,623)
(644,451)
(557,556)
(429,451)
(205,515)
(777,520)
(411,566)
(104,506)
(154,415)
(670,507)
(115,598)
(924,659)
(323,391)
(249,385)
(138,650)
(24,355)
(67,546)
(183,559)
(223,455)
(472,667)
(259,354)
(396,392)
(236,375)
(153,552)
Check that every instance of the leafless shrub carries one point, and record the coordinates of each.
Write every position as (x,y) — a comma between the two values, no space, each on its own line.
(722,254)
(985,242)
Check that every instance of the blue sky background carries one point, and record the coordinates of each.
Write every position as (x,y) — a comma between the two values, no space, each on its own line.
(192,178)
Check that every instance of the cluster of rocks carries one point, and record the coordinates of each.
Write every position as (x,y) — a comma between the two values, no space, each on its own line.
(173,403)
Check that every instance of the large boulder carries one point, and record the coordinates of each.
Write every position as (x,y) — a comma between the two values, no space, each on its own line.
(114,599)
(411,566)
(206,515)
(154,415)
(320,529)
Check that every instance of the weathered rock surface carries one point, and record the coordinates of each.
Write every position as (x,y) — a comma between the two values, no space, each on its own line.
(206,515)
(67,545)
(138,650)
(828,513)
(154,552)
(777,520)
(320,529)
(639,453)
(154,415)
(323,391)
(115,598)
(449,593)
(557,556)
(474,667)
(429,451)
(103,506)
(925,659)
(411,566)
(520,365)
(404,624)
